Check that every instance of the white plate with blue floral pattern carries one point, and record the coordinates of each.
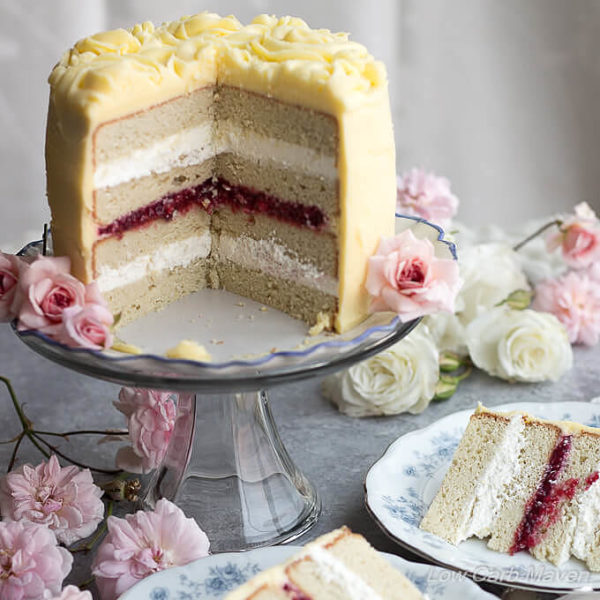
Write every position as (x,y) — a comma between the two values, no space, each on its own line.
(213,577)
(402,483)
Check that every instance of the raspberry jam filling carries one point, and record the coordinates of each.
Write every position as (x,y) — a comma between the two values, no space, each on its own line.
(212,194)
(591,479)
(295,593)
(544,507)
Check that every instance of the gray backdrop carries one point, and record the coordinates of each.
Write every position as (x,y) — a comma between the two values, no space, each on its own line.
(500,96)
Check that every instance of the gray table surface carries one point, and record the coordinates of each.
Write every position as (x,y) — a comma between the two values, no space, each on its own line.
(333,450)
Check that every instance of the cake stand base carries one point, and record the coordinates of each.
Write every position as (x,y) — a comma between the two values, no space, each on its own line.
(227,467)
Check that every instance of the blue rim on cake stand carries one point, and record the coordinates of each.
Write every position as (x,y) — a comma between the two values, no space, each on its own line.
(226,465)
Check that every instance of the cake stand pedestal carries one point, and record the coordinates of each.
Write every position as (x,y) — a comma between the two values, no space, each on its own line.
(226,465)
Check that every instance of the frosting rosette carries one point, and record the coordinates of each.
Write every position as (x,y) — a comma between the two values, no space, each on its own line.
(400,379)
(519,345)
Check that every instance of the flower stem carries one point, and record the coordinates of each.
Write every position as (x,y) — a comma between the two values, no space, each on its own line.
(539,231)
(67,434)
(13,456)
(56,451)
(99,533)
(25,422)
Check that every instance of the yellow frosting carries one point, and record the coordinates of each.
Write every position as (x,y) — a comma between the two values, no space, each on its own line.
(189,350)
(107,74)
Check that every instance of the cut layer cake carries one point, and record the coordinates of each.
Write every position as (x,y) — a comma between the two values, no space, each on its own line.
(205,153)
(525,484)
(340,565)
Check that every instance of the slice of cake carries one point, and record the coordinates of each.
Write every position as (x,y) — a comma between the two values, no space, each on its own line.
(205,153)
(338,565)
(525,484)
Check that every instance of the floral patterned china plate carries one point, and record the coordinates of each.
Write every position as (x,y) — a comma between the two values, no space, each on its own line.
(213,577)
(401,485)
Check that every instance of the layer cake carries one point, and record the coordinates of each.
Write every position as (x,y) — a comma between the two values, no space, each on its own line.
(340,565)
(525,484)
(258,159)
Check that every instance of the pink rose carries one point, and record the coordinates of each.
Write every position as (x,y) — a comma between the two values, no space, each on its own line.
(73,593)
(578,237)
(47,290)
(404,276)
(31,563)
(427,196)
(151,419)
(86,327)
(10,269)
(64,499)
(144,543)
(574,299)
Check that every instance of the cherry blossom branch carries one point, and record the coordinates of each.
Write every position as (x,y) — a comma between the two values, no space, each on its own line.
(25,422)
(68,434)
(539,231)
(39,442)
(13,456)
(56,451)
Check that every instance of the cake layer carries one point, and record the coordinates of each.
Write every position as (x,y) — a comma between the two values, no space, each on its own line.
(271,118)
(114,202)
(157,290)
(274,260)
(297,300)
(112,252)
(144,128)
(317,248)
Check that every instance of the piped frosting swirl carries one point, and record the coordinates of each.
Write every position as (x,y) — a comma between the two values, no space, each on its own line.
(327,70)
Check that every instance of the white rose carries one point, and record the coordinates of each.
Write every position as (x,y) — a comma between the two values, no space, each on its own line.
(447,331)
(401,378)
(519,345)
(490,273)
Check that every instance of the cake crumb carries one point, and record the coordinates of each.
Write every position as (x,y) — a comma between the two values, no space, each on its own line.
(121,346)
(251,317)
(323,323)
(189,350)
(263,309)
(242,304)
(216,342)
(273,350)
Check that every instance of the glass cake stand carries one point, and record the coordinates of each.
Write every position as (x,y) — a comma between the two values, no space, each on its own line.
(226,465)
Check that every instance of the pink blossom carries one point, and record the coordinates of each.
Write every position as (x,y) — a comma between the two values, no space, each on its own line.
(64,499)
(144,543)
(578,237)
(405,276)
(86,327)
(32,565)
(73,593)
(10,269)
(427,196)
(574,299)
(47,290)
(151,418)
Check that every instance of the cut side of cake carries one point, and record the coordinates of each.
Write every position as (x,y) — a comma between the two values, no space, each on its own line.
(524,484)
(204,153)
(340,565)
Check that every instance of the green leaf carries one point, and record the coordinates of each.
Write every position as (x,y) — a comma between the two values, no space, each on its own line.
(518,300)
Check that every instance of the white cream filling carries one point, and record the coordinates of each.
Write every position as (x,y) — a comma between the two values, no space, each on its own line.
(330,569)
(491,489)
(588,517)
(274,260)
(168,256)
(195,145)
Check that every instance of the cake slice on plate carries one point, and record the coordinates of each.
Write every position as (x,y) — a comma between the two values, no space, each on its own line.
(525,484)
(338,565)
